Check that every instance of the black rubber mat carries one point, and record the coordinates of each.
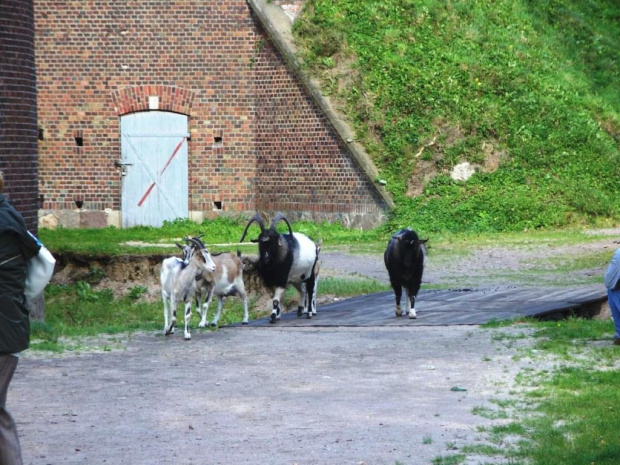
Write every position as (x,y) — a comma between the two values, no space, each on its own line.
(448,307)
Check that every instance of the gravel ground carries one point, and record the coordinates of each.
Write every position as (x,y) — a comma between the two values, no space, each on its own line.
(486,266)
(280,396)
(263,396)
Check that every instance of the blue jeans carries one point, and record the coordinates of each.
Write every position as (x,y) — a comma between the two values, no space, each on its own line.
(613,297)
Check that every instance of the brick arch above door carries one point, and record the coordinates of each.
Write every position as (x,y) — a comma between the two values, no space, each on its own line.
(136,98)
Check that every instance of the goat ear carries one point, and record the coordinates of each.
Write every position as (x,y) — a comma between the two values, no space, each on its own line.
(179,245)
(423,241)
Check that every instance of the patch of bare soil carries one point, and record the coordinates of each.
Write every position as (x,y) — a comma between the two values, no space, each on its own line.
(430,156)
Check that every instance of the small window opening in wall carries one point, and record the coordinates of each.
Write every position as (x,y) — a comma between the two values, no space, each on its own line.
(79,138)
(217,141)
(41,134)
(217,205)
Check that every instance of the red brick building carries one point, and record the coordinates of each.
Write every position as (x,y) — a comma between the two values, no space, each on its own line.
(150,110)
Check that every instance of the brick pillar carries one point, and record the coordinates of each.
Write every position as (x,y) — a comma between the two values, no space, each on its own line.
(18,108)
(18,115)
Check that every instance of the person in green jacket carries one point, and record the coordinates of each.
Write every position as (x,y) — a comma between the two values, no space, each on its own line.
(17,246)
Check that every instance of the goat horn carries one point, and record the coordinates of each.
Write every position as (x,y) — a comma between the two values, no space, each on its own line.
(260,222)
(196,242)
(280,217)
(202,244)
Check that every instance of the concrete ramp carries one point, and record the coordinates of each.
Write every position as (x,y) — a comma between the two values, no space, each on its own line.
(452,307)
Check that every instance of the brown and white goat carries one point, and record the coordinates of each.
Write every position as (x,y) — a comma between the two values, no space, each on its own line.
(225,281)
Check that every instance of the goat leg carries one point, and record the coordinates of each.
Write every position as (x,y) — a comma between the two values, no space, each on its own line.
(216,318)
(188,315)
(411,300)
(275,311)
(173,319)
(246,314)
(205,309)
(302,306)
(398,293)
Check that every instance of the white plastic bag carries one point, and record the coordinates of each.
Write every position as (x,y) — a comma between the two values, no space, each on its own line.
(40,270)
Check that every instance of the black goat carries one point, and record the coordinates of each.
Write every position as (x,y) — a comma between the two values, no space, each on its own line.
(287,259)
(404,259)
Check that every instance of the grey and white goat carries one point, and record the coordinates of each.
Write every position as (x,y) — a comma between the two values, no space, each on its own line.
(226,280)
(178,282)
(284,259)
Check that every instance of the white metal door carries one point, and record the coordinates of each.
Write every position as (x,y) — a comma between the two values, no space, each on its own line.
(154,159)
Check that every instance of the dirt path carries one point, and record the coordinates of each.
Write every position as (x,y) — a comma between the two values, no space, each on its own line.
(263,396)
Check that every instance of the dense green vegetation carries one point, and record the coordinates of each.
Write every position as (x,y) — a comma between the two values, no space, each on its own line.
(528,90)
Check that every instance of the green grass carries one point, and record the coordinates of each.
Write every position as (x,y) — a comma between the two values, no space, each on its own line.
(568,414)
(221,234)
(349,287)
(533,85)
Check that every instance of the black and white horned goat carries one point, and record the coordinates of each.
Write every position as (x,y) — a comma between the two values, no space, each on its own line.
(404,259)
(284,259)
(178,282)
(225,281)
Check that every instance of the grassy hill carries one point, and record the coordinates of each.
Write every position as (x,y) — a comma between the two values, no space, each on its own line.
(527,91)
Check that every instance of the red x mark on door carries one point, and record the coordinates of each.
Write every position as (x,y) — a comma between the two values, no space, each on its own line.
(148,191)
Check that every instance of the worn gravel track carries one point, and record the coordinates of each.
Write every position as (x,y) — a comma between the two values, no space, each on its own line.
(263,396)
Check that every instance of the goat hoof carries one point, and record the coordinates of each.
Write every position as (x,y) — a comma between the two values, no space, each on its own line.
(272,320)
(412,315)
(213,325)
(244,323)
(309,316)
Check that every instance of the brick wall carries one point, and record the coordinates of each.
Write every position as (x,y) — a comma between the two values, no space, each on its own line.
(302,165)
(18,110)
(257,141)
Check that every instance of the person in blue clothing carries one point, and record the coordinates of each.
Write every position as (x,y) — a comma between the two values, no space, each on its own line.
(612,283)
(17,246)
